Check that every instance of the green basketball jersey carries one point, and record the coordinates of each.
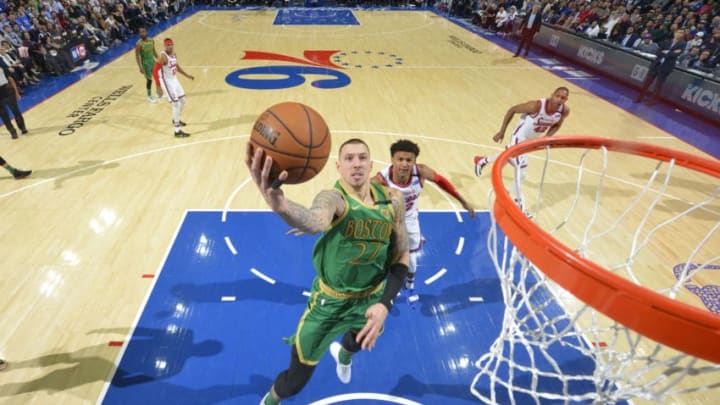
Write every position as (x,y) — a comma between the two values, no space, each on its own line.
(146,50)
(351,255)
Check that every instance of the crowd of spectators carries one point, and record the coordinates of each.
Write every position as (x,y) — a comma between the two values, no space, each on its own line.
(42,38)
(637,25)
(39,38)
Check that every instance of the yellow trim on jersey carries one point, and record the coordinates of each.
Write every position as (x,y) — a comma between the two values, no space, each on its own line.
(372,193)
(327,290)
(311,305)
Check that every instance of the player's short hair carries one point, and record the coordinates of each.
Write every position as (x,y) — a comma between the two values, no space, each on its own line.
(404,145)
(562,88)
(352,141)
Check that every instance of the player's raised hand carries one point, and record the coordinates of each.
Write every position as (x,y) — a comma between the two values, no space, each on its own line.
(259,165)
(375,315)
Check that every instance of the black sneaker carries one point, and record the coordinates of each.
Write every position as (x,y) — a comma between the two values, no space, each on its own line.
(182,124)
(3,364)
(13,135)
(21,174)
(24,131)
(181,134)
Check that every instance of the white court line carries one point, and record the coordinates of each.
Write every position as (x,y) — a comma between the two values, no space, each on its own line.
(120,355)
(461,243)
(338,399)
(306,293)
(231,198)
(120,159)
(229,244)
(262,276)
(435,276)
(476,299)
(227,298)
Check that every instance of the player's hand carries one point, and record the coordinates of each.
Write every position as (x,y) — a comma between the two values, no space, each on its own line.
(191,77)
(142,72)
(375,315)
(498,137)
(260,166)
(469,208)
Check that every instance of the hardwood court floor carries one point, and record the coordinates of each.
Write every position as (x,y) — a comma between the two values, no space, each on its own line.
(104,202)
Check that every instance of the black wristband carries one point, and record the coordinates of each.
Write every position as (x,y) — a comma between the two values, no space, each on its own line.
(396,276)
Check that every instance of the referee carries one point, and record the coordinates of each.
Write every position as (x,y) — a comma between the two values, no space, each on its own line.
(9,97)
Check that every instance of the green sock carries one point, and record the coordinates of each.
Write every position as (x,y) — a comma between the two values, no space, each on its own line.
(269,400)
(344,357)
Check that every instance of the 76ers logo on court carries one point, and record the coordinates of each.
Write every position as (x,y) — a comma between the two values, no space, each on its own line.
(316,63)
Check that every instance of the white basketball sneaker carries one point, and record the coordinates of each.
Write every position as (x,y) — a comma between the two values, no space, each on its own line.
(151,100)
(344,372)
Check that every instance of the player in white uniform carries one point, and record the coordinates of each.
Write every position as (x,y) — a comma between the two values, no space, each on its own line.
(408,176)
(165,75)
(537,117)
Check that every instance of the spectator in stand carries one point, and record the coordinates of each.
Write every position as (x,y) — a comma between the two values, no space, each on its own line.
(703,63)
(593,30)
(662,66)
(630,39)
(695,40)
(647,45)
(529,26)
(688,58)
(501,21)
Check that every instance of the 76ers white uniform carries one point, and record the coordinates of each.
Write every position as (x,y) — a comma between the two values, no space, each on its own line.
(169,81)
(533,125)
(411,193)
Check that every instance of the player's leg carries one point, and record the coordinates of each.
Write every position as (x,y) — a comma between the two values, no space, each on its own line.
(316,330)
(178,107)
(415,242)
(290,381)
(17,173)
(148,67)
(520,165)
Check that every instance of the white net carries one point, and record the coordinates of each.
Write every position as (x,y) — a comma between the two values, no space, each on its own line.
(553,348)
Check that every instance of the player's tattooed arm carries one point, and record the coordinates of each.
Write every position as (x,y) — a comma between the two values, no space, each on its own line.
(401,253)
(327,205)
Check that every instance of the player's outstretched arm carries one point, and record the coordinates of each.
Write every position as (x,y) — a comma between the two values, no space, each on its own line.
(531,107)
(428,173)
(184,73)
(326,205)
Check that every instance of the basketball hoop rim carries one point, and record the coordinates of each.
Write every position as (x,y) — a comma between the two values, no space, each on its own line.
(667,321)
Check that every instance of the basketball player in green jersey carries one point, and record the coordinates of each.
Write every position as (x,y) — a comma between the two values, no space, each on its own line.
(358,270)
(145,54)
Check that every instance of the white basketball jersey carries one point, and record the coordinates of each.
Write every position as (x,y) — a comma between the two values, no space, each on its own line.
(170,68)
(534,125)
(410,191)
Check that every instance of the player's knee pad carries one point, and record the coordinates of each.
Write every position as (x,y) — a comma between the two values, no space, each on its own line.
(349,342)
(294,379)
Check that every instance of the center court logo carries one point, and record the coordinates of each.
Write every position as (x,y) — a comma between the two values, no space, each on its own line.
(316,63)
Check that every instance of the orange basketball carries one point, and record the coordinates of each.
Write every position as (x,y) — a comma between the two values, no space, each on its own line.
(297,139)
